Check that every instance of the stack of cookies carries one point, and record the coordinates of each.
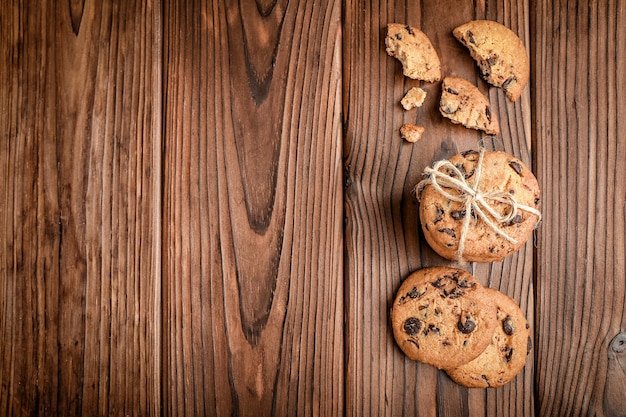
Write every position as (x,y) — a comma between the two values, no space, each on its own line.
(444,317)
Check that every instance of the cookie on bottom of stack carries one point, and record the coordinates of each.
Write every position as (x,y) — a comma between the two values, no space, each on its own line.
(506,356)
(443,317)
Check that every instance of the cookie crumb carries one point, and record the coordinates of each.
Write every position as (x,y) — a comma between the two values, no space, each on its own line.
(413,98)
(411,133)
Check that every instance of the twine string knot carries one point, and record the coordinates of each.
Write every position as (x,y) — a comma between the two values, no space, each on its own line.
(444,176)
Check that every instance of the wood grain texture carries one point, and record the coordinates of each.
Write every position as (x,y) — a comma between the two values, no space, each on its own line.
(253,284)
(579,73)
(383,241)
(78,277)
(207,208)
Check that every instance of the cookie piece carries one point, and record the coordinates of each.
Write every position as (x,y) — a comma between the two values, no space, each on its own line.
(414,50)
(442,317)
(499,53)
(478,206)
(413,98)
(506,356)
(463,103)
(411,133)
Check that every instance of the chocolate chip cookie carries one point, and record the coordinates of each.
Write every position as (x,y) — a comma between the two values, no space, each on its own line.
(414,50)
(499,53)
(478,206)
(506,356)
(442,316)
(463,103)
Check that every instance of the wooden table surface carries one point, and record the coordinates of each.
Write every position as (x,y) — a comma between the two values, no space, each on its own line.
(206,207)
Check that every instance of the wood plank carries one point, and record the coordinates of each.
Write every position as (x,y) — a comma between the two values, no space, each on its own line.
(79,169)
(383,242)
(253,284)
(579,73)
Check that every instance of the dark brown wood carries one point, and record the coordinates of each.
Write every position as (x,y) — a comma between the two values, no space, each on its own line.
(207,208)
(578,76)
(383,241)
(79,214)
(253,285)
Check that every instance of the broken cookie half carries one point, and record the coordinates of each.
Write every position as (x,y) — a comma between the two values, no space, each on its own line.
(463,103)
(499,53)
(414,50)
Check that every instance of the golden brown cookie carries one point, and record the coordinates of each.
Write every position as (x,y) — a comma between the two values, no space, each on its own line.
(499,53)
(411,133)
(442,316)
(506,356)
(413,98)
(414,50)
(478,206)
(463,103)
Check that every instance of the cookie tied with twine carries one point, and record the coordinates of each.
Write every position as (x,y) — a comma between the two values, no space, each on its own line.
(478,206)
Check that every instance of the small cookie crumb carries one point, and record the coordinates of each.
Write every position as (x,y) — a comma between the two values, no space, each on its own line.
(411,133)
(413,98)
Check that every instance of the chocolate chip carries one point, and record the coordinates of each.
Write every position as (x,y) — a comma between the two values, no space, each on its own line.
(463,283)
(468,153)
(470,37)
(412,326)
(438,283)
(516,167)
(507,325)
(466,326)
(447,231)
(438,214)
(515,220)
(399,36)
(414,293)
(448,110)
(452,91)
(458,214)
(446,343)
(409,29)
(461,168)
(508,82)
(455,293)
(537,200)
(437,312)
(433,328)
(491,61)
(508,353)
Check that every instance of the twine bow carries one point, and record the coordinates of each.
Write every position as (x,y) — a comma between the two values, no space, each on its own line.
(474,200)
